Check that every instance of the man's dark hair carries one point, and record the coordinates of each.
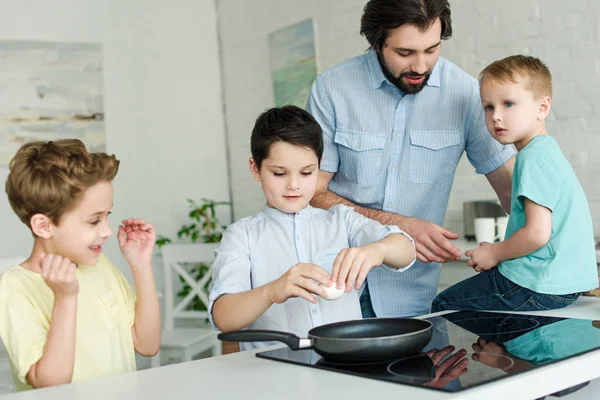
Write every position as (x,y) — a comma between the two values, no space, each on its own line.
(382,16)
(288,124)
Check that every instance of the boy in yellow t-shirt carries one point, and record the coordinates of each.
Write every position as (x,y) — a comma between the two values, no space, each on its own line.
(66,313)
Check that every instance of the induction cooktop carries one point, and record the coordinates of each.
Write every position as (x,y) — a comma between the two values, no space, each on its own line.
(497,346)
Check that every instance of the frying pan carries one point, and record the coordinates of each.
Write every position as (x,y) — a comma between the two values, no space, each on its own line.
(370,339)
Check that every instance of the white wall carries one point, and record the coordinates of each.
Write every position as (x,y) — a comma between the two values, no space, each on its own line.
(565,34)
(163,104)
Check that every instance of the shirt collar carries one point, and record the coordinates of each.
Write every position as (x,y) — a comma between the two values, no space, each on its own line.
(377,76)
(434,78)
(277,214)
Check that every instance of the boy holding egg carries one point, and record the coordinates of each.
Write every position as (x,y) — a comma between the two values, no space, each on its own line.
(269,267)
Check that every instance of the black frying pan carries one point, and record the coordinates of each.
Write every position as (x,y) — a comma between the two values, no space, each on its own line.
(371,339)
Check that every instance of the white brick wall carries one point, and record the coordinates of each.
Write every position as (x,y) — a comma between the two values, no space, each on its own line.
(564,34)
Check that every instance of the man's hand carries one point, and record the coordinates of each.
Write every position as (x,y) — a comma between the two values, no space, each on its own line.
(432,241)
(298,281)
(59,274)
(450,369)
(482,258)
(136,241)
(491,354)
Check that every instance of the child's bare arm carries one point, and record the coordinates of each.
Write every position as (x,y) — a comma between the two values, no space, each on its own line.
(235,311)
(399,251)
(58,359)
(136,241)
(533,236)
(238,310)
(146,327)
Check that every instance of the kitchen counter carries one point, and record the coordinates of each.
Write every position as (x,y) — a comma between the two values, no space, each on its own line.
(244,376)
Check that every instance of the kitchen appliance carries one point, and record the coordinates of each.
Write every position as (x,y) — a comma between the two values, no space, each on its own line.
(505,344)
(479,209)
(364,340)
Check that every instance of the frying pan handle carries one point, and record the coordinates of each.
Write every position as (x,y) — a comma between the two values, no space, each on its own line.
(293,341)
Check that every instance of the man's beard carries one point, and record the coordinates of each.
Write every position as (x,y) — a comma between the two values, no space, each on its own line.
(404,86)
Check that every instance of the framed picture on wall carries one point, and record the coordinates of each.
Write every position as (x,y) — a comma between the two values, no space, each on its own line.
(50,91)
(293,63)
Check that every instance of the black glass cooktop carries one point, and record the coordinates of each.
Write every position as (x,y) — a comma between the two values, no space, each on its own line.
(497,345)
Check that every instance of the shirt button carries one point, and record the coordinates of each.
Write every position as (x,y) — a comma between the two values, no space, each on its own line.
(298,237)
(314,311)
(393,169)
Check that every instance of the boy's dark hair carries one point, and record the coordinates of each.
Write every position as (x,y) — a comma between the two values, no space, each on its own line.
(289,124)
(382,16)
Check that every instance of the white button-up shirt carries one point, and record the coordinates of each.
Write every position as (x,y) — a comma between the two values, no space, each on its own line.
(257,250)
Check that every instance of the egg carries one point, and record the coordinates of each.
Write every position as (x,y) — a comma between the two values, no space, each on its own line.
(332,292)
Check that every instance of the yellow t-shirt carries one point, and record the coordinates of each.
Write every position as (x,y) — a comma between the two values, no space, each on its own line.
(105,315)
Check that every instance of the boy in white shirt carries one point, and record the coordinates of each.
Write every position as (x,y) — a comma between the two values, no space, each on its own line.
(269,267)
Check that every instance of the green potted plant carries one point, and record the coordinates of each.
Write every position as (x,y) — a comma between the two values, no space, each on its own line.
(204,227)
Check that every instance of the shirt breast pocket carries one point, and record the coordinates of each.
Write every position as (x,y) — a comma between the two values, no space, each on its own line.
(360,156)
(433,155)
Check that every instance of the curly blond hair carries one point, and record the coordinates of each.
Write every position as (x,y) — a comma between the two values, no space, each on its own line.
(49,177)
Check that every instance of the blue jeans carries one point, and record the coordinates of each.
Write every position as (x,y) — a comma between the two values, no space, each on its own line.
(365,303)
(490,290)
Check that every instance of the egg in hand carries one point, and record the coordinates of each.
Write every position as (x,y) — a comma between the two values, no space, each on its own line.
(332,292)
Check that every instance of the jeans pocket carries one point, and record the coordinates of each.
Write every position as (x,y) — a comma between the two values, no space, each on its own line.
(562,300)
(531,304)
(554,301)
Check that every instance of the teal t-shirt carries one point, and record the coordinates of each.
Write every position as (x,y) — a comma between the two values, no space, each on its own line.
(555,341)
(567,263)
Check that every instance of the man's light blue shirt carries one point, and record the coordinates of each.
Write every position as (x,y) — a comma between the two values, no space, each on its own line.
(396,152)
(257,250)
(567,263)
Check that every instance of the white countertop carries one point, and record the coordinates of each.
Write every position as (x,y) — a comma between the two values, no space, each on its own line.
(244,376)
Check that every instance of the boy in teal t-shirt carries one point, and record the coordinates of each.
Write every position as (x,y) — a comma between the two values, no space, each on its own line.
(548,256)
